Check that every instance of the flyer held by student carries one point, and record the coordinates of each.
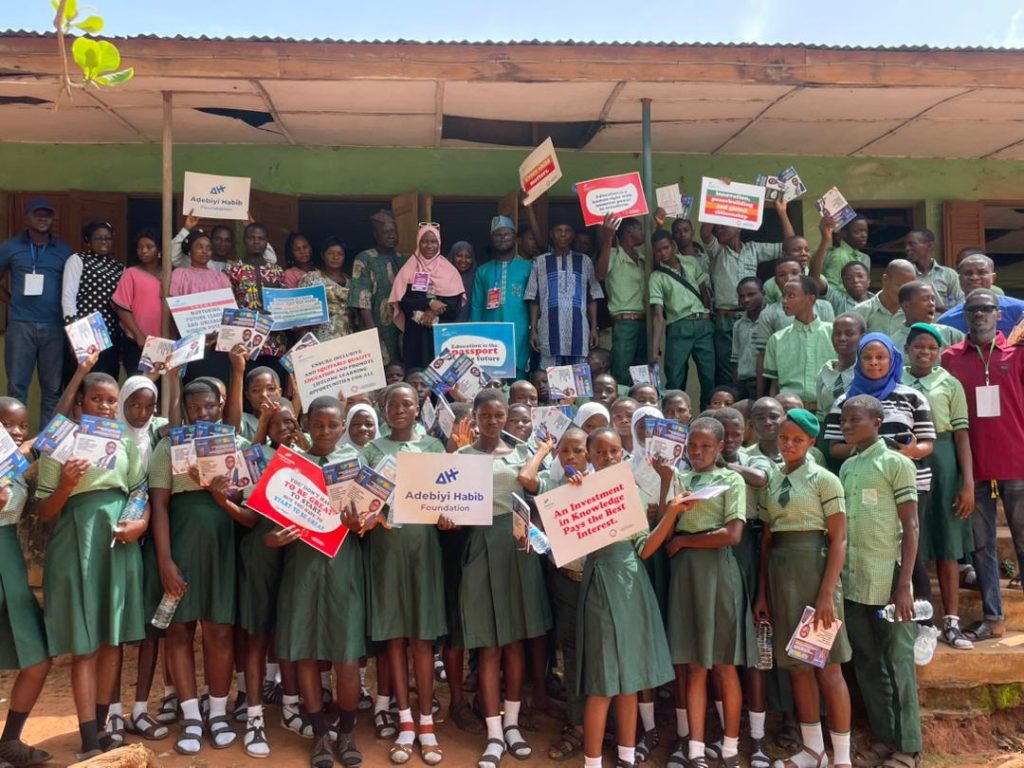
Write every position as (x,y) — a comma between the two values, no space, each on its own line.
(296,307)
(621,196)
(12,463)
(216,456)
(570,381)
(97,440)
(603,509)
(200,312)
(348,364)
(243,326)
(492,346)
(307,341)
(57,440)
(731,203)
(670,200)
(455,372)
(215,196)
(183,450)
(456,485)
(161,355)
(88,336)
(539,172)
(834,204)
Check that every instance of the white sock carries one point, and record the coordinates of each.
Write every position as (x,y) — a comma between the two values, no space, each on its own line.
(951,620)
(756,724)
(251,712)
(696,749)
(840,748)
(592,762)
(190,711)
(117,708)
(628,754)
(730,746)
(290,701)
(497,749)
(240,681)
(405,737)
(721,713)
(511,716)
(646,715)
(170,690)
(380,704)
(273,673)
(682,724)
(493,727)
(139,708)
(325,680)
(427,739)
(362,676)
(812,737)
(218,706)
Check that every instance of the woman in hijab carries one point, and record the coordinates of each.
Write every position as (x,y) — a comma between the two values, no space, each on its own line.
(427,290)
(463,257)
(907,425)
(361,426)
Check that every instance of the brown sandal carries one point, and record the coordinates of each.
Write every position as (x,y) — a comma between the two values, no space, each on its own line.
(401,753)
(432,754)
(569,744)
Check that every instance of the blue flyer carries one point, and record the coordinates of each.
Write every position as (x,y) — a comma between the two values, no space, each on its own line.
(491,345)
(296,307)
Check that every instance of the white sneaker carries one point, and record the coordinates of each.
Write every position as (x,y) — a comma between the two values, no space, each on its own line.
(925,644)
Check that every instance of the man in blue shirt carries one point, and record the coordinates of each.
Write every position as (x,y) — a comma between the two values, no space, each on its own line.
(35,328)
(978,271)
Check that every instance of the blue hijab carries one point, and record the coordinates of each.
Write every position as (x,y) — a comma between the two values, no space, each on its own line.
(883,387)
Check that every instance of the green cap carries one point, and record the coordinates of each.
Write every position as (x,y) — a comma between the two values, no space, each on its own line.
(926,328)
(804,419)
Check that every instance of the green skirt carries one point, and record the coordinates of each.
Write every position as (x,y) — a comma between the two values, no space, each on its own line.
(92,592)
(22,631)
(321,611)
(748,558)
(619,632)
(152,586)
(259,577)
(659,571)
(710,622)
(453,547)
(203,548)
(944,536)
(796,564)
(503,597)
(405,584)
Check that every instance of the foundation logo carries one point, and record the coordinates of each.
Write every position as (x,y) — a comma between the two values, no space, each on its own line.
(448,476)
(218,190)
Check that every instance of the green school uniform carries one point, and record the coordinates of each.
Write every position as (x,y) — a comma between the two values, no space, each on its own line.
(943,535)
(755,450)
(831,384)
(686,335)
(946,282)
(321,605)
(92,591)
(799,551)
(837,258)
(203,543)
(795,356)
(248,427)
(840,300)
(259,575)
(744,355)
(879,319)
(502,597)
(773,319)
(22,629)
(709,621)
(404,575)
(624,288)
(950,335)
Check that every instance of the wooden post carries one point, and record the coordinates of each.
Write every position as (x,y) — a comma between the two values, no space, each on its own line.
(167,222)
(648,179)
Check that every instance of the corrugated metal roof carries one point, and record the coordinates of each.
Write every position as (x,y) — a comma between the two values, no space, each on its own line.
(910,48)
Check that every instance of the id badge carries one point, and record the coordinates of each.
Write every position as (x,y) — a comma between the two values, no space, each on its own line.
(494,298)
(421,282)
(34,284)
(987,398)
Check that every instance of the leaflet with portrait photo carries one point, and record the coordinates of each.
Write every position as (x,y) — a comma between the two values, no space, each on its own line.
(97,440)
(570,381)
(217,456)
(57,440)
(88,336)
(243,326)
(183,450)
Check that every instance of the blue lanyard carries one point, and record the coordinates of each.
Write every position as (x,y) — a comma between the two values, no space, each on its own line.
(32,248)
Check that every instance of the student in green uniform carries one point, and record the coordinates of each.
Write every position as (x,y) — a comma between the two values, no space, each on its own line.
(680,318)
(262,388)
(621,269)
(750,294)
(946,535)
(803,551)
(618,626)
(709,626)
(853,240)
(675,405)
(882,537)
(795,355)
(848,285)
(194,534)
(406,561)
(321,604)
(92,592)
(796,249)
(502,597)
(22,632)
(918,302)
(622,411)
(882,312)
(836,375)
(919,245)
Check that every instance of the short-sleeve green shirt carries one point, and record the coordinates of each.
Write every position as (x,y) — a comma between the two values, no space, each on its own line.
(879,319)
(815,494)
(711,514)
(377,449)
(756,461)
(505,477)
(744,354)
(161,474)
(839,257)
(795,356)
(840,300)
(946,397)
(624,285)
(774,318)
(676,299)
(876,481)
(946,283)
(729,267)
(830,385)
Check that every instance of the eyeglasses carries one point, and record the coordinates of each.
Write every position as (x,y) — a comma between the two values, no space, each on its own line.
(985,308)
(429,224)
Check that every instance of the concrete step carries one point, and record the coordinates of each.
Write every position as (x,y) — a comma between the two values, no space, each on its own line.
(970,606)
(986,679)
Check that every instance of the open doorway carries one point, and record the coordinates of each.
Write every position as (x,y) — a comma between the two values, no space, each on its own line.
(1004,243)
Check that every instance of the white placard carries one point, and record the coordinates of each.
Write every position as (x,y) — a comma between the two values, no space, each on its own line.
(215,196)
(580,519)
(200,312)
(670,200)
(539,172)
(350,364)
(733,205)
(456,485)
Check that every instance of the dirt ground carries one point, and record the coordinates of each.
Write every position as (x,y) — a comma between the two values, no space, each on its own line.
(54,728)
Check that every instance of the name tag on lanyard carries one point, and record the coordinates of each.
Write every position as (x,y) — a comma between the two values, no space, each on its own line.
(34,284)
(421,282)
(987,399)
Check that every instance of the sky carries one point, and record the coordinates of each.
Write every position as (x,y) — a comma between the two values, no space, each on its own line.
(949,23)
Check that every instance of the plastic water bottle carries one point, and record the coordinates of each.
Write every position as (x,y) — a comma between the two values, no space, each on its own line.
(765,647)
(922,611)
(165,611)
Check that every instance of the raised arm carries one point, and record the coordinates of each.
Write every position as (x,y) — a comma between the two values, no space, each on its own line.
(827,226)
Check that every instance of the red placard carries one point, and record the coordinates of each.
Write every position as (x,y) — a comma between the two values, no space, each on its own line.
(292,492)
(622,195)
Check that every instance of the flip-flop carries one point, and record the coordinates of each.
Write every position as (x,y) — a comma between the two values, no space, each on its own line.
(981,630)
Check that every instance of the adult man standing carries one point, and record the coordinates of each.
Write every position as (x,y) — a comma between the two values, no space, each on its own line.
(621,269)
(499,287)
(373,272)
(35,328)
(562,292)
(976,270)
(992,374)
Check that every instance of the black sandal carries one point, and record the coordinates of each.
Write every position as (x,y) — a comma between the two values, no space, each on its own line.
(569,744)
(322,756)
(255,733)
(384,725)
(186,736)
(348,752)
(759,755)
(146,727)
(19,754)
(515,748)
(492,760)
(168,712)
(214,732)
(646,744)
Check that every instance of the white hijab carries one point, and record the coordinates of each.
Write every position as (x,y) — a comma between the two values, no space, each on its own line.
(588,410)
(139,435)
(647,479)
(346,439)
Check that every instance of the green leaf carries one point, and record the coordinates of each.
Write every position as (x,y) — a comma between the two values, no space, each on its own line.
(70,8)
(108,57)
(90,24)
(116,78)
(86,56)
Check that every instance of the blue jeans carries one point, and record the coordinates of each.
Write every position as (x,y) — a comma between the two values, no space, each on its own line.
(26,346)
(983,521)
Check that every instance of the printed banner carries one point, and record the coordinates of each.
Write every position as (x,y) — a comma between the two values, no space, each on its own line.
(580,519)
(296,307)
(491,345)
(733,205)
(200,312)
(216,197)
(622,195)
(539,172)
(456,485)
(349,364)
(292,492)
